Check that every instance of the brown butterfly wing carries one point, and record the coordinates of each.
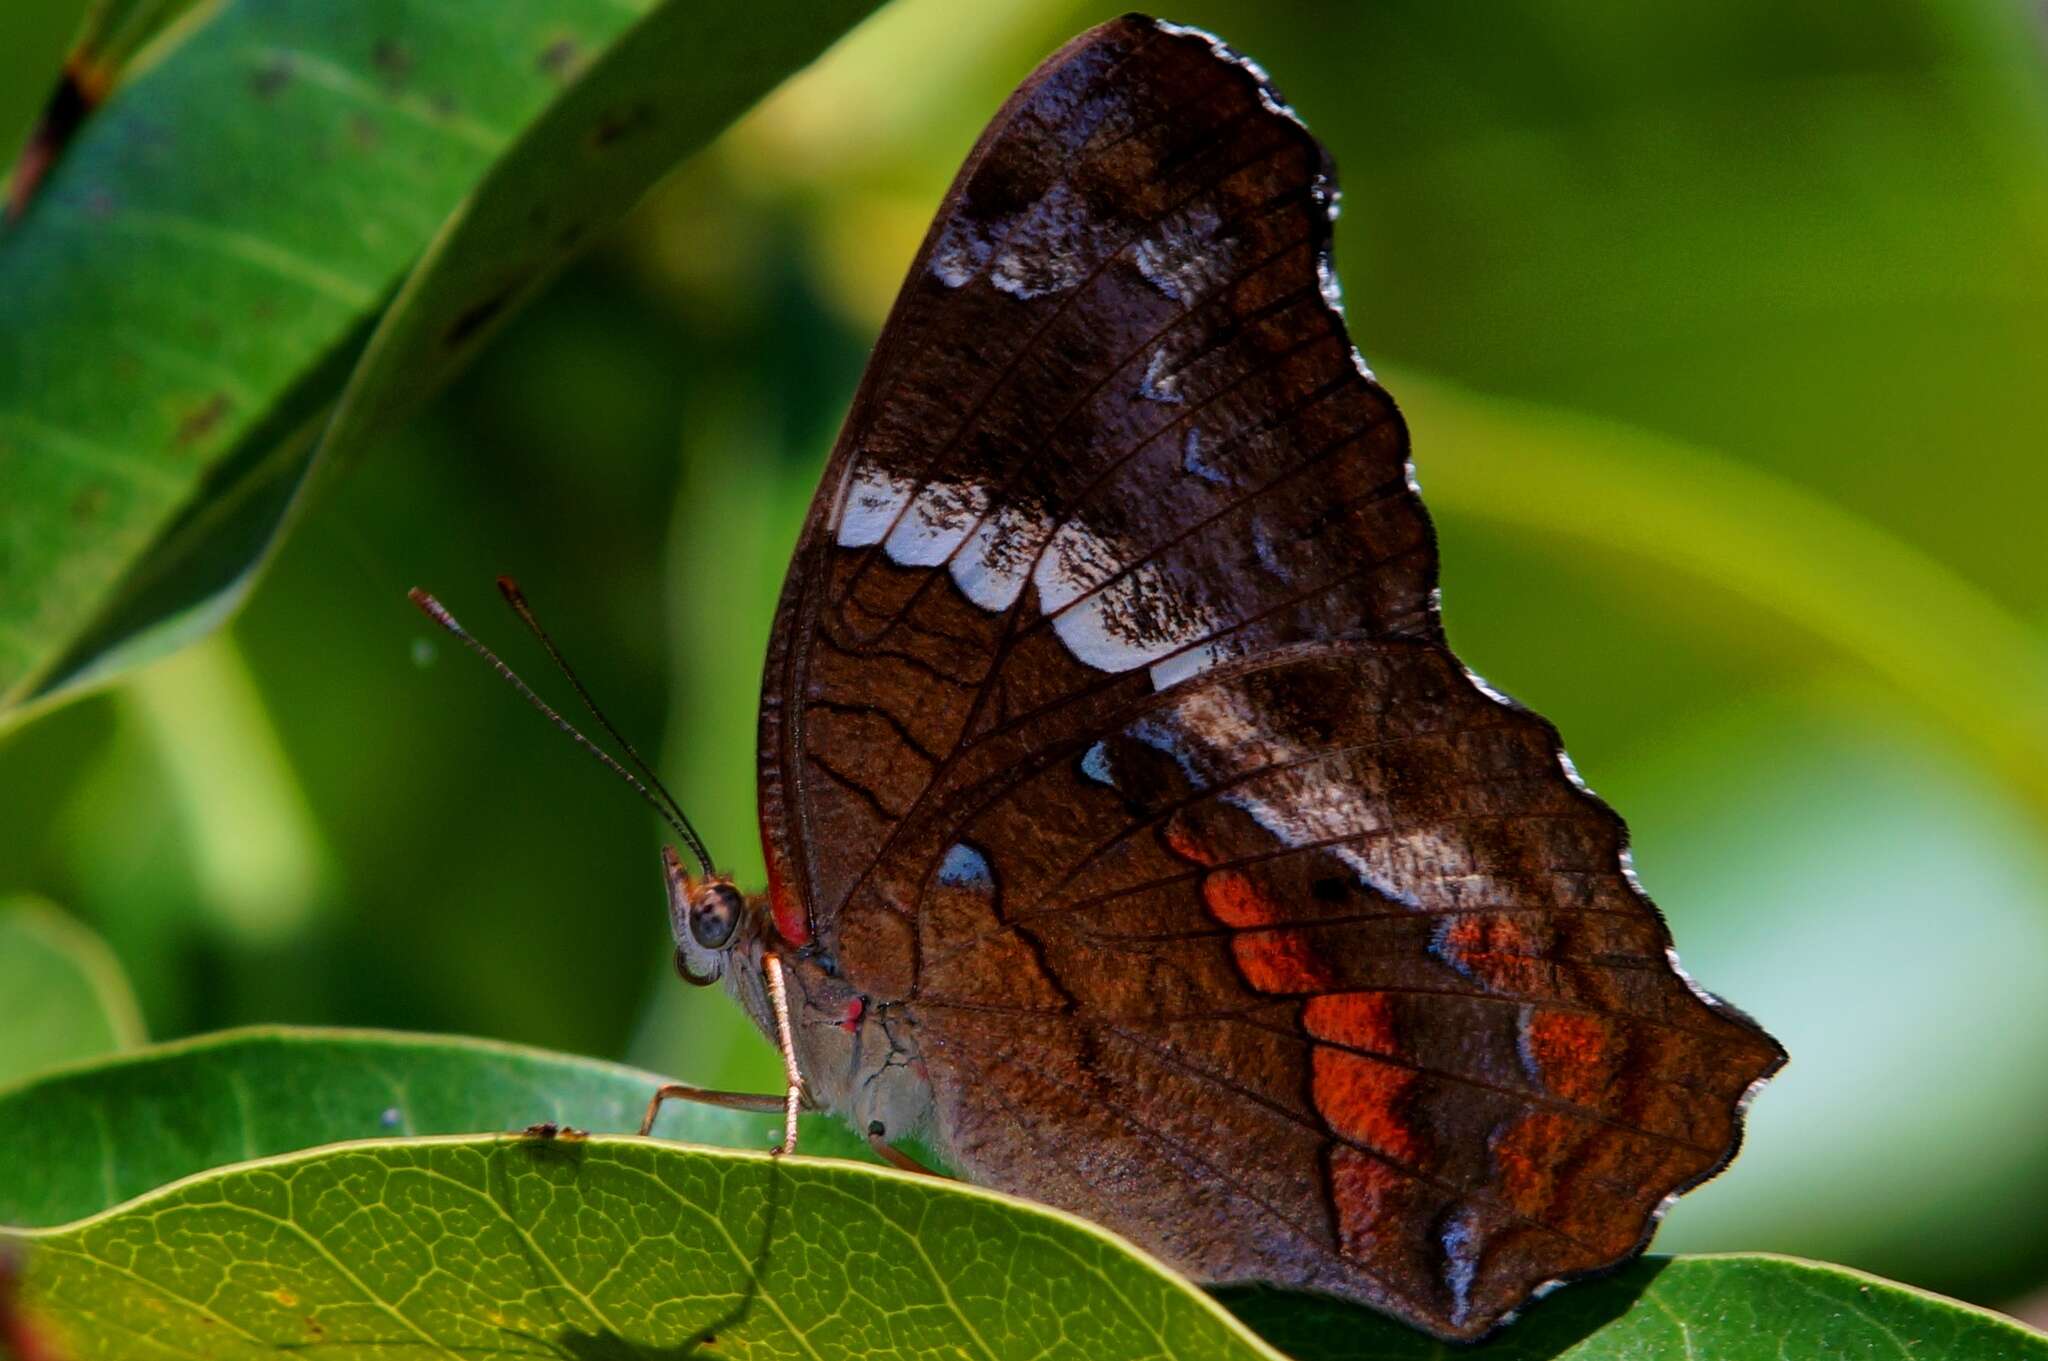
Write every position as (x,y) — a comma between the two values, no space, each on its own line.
(1109,733)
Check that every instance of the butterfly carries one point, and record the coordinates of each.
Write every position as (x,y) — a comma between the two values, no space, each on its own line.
(1133,835)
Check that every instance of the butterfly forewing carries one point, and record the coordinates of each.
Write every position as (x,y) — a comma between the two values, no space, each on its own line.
(1109,734)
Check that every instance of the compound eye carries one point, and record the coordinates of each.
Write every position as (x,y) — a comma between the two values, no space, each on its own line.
(690,975)
(714,915)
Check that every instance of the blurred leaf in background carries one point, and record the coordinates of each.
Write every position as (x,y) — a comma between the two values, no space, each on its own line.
(1719,331)
(66,997)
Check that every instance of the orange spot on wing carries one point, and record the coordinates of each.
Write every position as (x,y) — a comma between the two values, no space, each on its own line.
(1364,1190)
(1359,1097)
(1280,961)
(1362,1020)
(1187,843)
(1235,900)
(1501,952)
(1592,1183)
(1573,1054)
(1526,1154)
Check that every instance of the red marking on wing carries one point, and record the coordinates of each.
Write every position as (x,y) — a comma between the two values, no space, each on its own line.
(1235,900)
(1501,952)
(1187,843)
(1547,1158)
(855,1009)
(1573,1053)
(1280,961)
(1358,1096)
(1364,1189)
(1360,1020)
(792,923)
(1526,1152)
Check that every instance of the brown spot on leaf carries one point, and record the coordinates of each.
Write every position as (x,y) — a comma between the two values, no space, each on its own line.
(393,61)
(200,422)
(88,504)
(615,125)
(363,132)
(474,319)
(561,58)
(273,75)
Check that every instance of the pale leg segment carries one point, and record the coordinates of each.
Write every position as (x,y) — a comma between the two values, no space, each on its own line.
(778,1002)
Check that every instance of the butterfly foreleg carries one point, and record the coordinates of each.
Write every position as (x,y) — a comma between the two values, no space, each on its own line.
(705,1096)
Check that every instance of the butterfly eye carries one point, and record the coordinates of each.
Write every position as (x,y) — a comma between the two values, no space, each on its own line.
(690,975)
(714,915)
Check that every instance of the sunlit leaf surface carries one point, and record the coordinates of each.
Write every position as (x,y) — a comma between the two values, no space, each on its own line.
(87,1139)
(606,1247)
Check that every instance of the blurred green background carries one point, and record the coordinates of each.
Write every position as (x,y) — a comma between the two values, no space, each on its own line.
(1721,331)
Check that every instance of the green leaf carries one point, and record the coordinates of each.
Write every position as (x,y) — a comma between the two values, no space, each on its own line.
(601,1248)
(224,236)
(67,998)
(1739,1307)
(84,1140)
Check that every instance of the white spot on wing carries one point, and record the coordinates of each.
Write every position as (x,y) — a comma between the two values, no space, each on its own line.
(1075,562)
(936,523)
(1161,382)
(1185,258)
(991,567)
(872,503)
(1461,1259)
(960,253)
(1051,248)
(1268,552)
(1192,460)
(965,867)
(1191,662)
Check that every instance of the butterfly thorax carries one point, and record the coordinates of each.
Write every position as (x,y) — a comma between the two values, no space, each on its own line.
(859,1058)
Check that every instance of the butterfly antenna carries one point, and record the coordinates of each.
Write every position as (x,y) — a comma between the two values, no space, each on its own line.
(514,597)
(670,813)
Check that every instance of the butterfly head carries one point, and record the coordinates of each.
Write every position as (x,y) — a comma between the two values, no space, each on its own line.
(709,917)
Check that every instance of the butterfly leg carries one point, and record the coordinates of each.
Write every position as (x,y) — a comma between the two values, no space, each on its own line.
(704,1096)
(878,1140)
(778,1002)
